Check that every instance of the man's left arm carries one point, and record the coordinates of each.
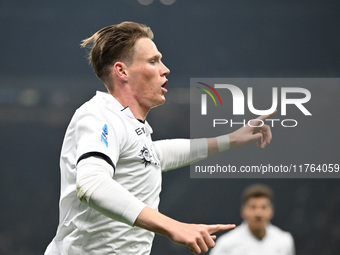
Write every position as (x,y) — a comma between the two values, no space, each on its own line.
(176,153)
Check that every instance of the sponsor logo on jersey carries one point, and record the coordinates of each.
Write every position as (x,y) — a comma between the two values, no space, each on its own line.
(104,136)
(140,131)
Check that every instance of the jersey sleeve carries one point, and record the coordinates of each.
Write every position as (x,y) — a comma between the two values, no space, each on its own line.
(175,153)
(98,190)
(96,137)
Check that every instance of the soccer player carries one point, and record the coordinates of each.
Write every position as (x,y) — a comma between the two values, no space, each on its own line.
(111,168)
(256,235)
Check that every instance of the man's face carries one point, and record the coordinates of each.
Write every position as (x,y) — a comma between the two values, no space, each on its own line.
(257,212)
(147,74)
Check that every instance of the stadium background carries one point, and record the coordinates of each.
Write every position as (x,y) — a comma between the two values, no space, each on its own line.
(44,77)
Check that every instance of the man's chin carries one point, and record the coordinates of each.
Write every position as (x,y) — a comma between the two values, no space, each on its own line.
(159,103)
(258,226)
(162,101)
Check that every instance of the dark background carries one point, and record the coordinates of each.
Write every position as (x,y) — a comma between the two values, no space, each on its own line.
(44,77)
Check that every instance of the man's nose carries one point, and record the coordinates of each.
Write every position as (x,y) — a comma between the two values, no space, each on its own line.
(258,211)
(165,70)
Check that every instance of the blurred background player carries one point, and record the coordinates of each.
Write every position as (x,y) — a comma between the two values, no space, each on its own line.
(256,235)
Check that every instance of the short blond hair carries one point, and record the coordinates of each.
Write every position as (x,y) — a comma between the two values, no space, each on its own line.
(114,43)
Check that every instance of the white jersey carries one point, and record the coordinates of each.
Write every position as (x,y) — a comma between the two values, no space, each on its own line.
(102,127)
(241,241)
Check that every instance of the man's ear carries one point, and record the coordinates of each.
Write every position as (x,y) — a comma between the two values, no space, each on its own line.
(120,70)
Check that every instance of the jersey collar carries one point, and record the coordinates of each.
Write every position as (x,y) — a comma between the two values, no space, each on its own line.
(125,110)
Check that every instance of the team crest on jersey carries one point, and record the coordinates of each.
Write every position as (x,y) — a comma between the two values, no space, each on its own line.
(104,136)
(145,155)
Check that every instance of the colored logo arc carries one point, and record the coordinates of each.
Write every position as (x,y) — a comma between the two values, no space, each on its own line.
(208,92)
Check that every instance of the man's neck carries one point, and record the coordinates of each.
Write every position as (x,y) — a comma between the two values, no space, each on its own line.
(137,111)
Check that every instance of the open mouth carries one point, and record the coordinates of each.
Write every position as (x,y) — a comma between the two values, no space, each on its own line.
(164,84)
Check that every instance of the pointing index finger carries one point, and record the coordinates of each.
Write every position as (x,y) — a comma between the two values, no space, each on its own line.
(264,117)
(220,227)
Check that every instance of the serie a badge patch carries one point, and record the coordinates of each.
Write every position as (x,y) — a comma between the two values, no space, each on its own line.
(104,135)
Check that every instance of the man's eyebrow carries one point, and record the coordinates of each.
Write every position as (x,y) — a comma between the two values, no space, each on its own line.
(157,56)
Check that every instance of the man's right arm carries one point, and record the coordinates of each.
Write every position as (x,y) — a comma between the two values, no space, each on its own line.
(97,189)
(198,237)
